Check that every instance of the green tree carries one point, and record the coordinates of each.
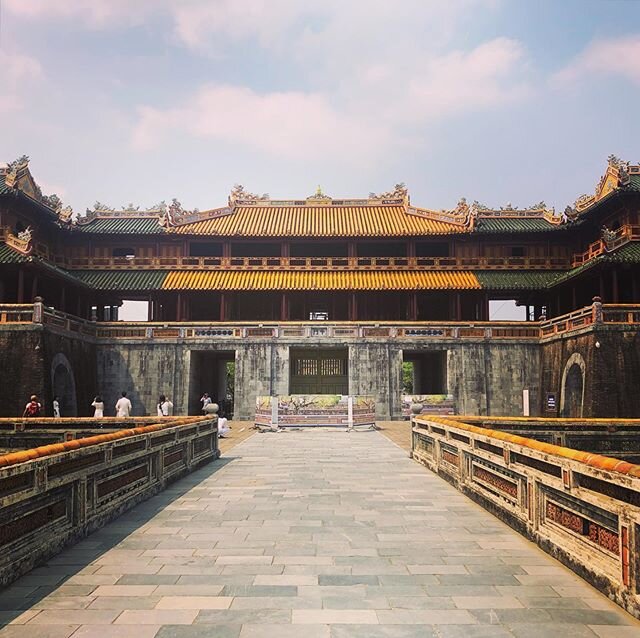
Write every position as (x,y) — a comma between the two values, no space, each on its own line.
(407,377)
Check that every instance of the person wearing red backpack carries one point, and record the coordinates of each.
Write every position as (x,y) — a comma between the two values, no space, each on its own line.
(33,408)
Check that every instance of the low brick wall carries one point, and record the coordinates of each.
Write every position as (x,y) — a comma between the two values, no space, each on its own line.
(53,495)
(582,508)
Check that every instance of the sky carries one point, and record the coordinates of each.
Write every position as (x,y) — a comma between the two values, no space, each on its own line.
(138,101)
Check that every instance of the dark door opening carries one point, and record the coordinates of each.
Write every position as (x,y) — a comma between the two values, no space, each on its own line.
(319,371)
(425,372)
(213,373)
(573,393)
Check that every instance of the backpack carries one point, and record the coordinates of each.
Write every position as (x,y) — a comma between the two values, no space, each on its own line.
(33,409)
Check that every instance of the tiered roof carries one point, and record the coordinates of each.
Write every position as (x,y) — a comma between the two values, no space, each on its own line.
(385,215)
(382,216)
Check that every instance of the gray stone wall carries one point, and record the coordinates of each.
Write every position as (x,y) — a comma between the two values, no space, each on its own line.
(485,378)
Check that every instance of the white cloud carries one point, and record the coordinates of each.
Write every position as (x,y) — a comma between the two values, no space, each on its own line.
(365,119)
(17,73)
(95,13)
(486,76)
(617,56)
(285,124)
(16,68)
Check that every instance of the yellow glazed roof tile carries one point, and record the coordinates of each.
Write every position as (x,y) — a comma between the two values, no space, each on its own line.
(319,221)
(319,280)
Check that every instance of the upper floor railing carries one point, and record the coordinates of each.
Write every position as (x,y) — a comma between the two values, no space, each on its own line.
(318,263)
(616,239)
(620,315)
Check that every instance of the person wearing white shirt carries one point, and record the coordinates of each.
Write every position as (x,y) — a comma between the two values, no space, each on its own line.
(98,405)
(223,427)
(165,407)
(123,406)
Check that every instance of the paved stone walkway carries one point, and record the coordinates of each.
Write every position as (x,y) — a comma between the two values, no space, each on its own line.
(308,534)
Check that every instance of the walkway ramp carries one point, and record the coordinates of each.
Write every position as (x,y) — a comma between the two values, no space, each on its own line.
(319,534)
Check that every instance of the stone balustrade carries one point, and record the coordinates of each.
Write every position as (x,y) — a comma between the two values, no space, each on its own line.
(597,314)
(58,493)
(580,507)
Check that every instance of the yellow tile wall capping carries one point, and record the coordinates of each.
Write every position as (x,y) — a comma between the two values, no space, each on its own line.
(594,460)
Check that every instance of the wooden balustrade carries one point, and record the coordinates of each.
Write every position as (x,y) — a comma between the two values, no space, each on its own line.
(317,263)
(622,236)
(16,313)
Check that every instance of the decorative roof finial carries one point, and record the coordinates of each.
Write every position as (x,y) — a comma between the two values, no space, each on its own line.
(319,195)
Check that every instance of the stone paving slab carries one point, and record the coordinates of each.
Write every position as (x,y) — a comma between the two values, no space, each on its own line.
(313,534)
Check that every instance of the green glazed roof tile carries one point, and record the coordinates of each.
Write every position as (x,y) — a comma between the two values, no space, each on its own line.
(629,253)
(516,279)
(10,256)
(510,225)
(122,226)
(122,279)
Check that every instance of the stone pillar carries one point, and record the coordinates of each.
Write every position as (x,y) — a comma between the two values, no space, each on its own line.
(596,310)
(38,310)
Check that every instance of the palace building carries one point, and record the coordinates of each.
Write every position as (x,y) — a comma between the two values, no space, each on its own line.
(325,295)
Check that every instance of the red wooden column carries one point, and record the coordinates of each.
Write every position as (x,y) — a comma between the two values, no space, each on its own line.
(353,307)
(284,307)
(34,287)
(614,286)
(601,281)
(413,306)
(20,285)
(179,307)
(223,306)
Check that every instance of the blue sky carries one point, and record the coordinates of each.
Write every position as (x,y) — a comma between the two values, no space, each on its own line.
(143,100)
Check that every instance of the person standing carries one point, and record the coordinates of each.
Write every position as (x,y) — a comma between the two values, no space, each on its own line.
(169,407)
(205,400)
(33,408)
(56,407)
(163,406)
(123,406)
(98,405)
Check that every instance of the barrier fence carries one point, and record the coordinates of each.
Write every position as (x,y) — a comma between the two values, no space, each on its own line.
(53,495)
(582,508)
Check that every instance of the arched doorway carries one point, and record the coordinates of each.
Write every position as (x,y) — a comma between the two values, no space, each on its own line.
(63,385)
(572,393)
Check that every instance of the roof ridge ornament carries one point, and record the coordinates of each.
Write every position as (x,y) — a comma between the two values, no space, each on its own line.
(399,191)
(617,174)
(18,176)
(319,196)
(239,195)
